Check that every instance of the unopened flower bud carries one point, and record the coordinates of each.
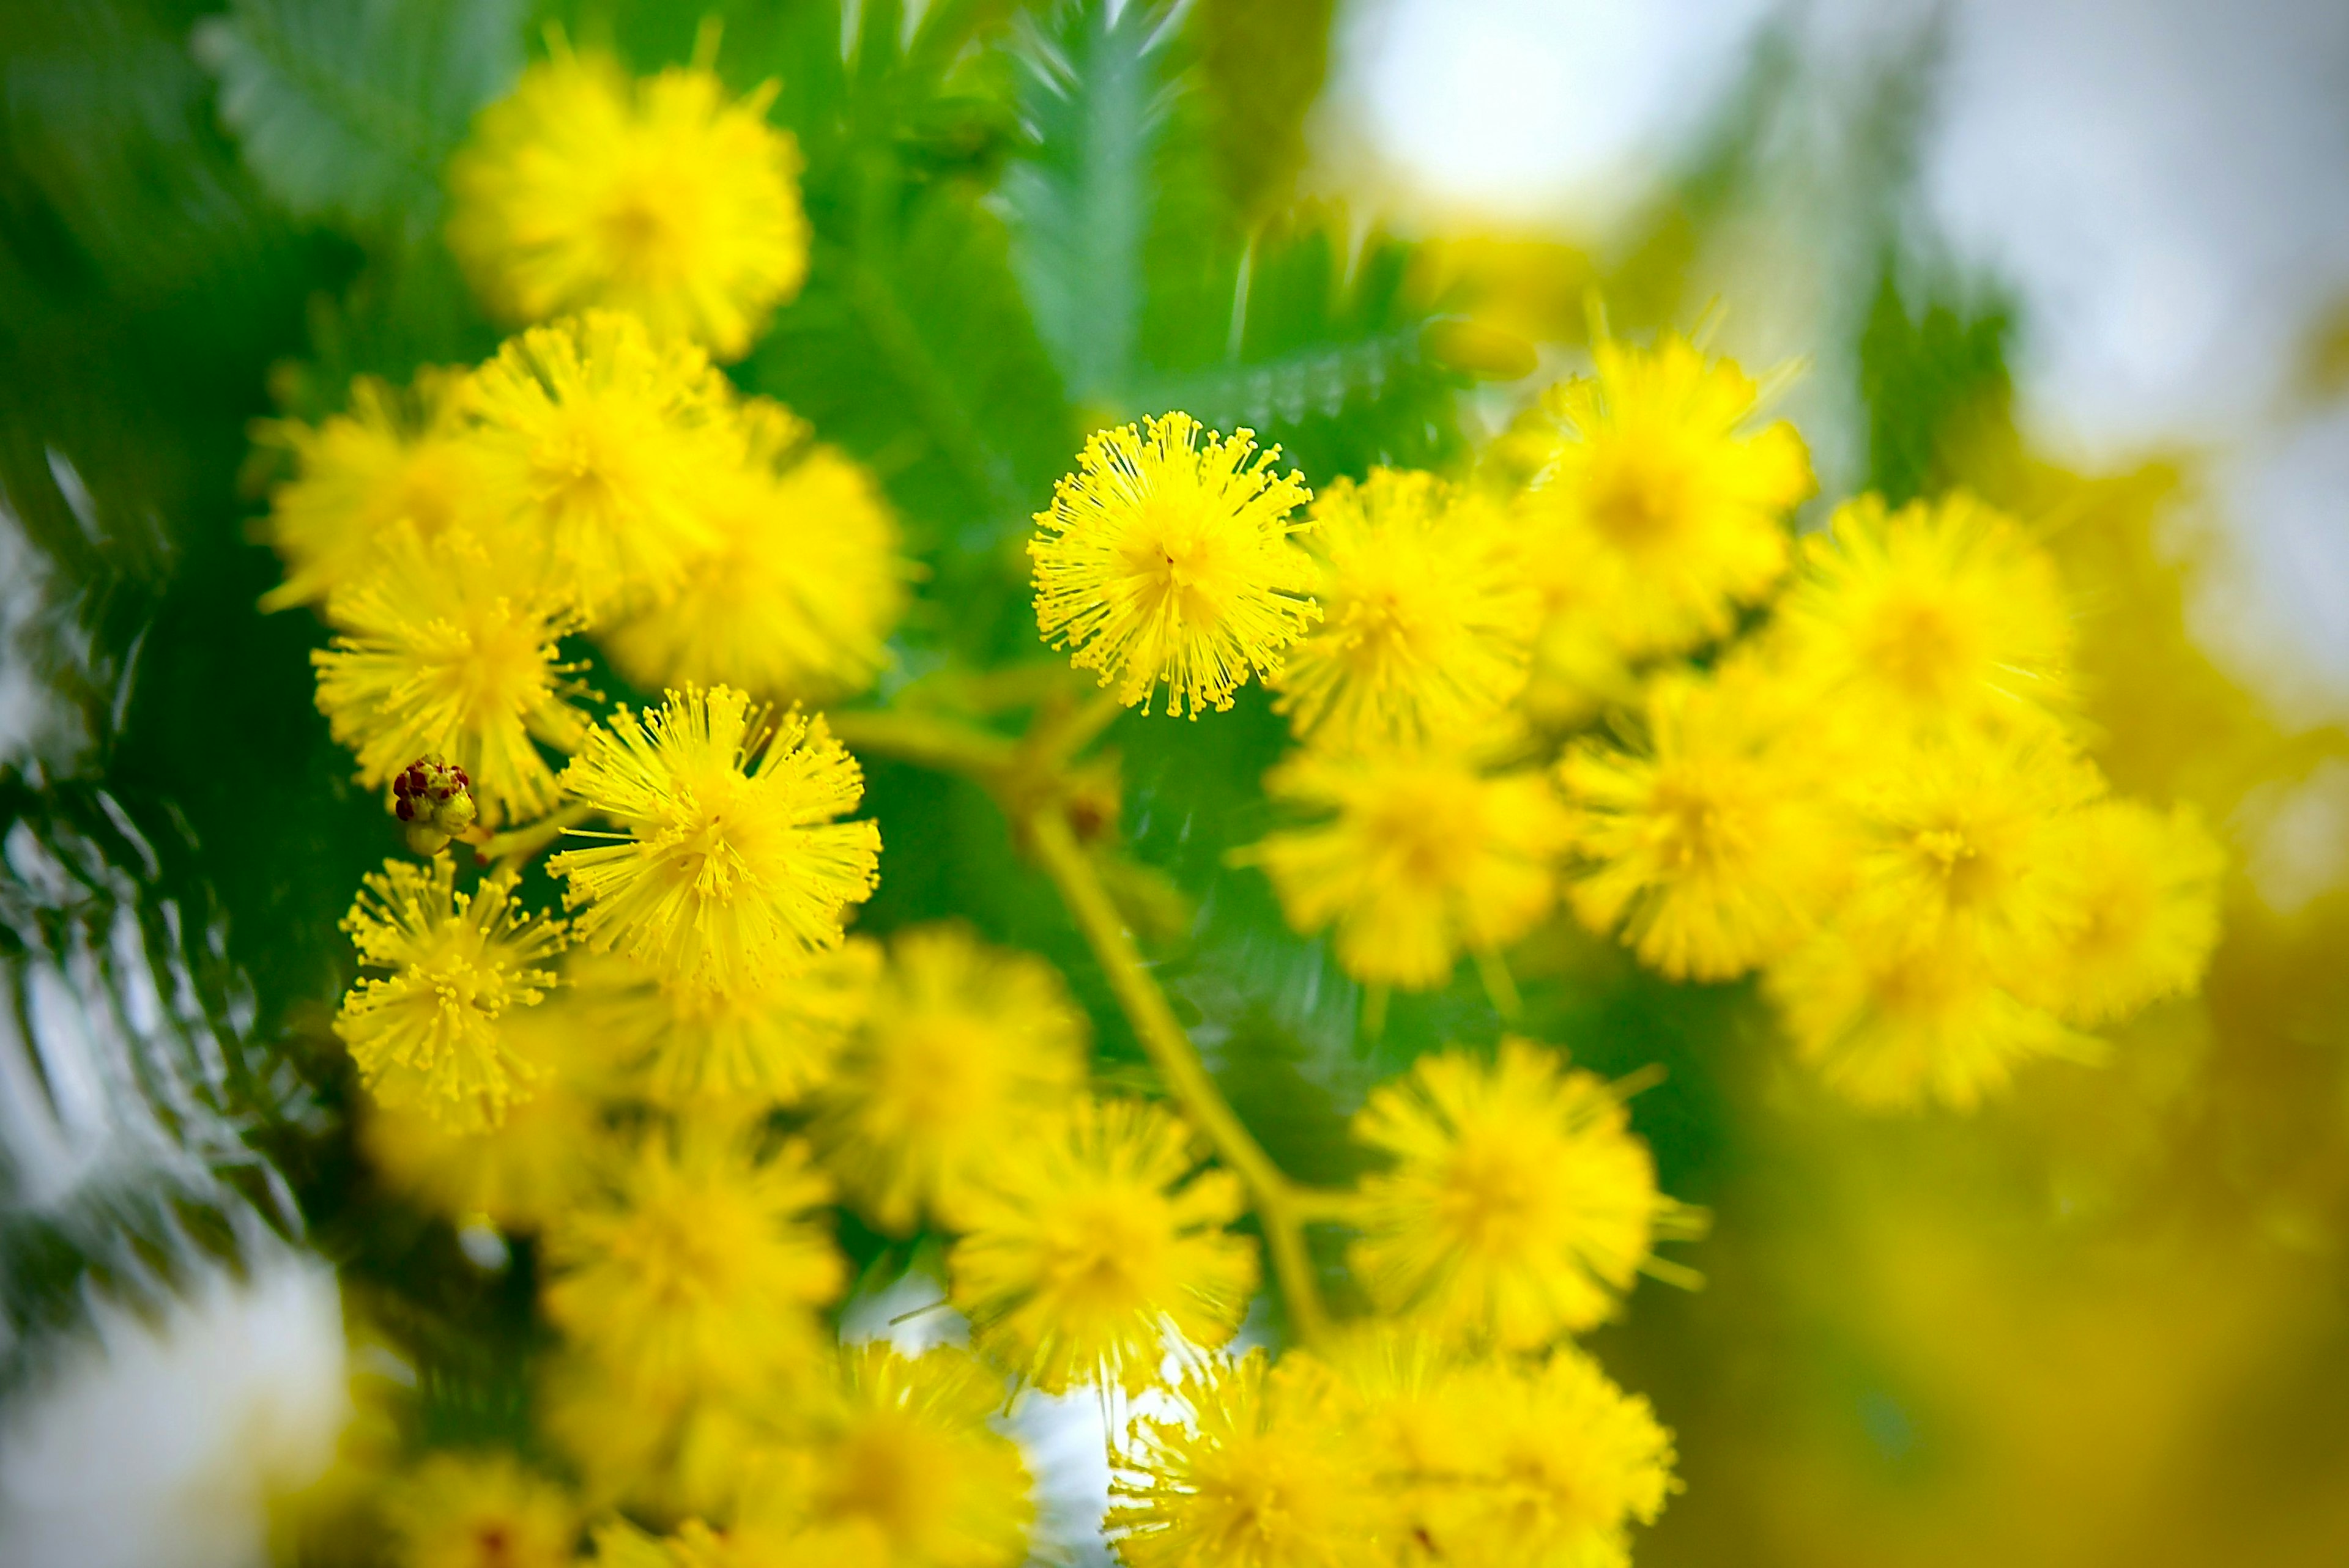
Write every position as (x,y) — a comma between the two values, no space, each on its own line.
(434,802)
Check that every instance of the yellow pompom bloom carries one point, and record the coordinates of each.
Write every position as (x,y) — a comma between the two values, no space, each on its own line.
(701,1271)
(964,1048)
(435,1036)
(1254,1473)
(897,1468)
(596,442)
(478,1511)
(731,876)
(1427,618)
(1713,850)
(797,594)
(1651,490)
(1519,1205)
(619,1544)
(437,659)
(670,1451)
(1423,857)
(1560,1464)
(520,1176)
(399,455)
(1092,1239)
(1889,1022)
(1940,615)
(1167,559)
(2140,891)
(1965,845)
(658,197)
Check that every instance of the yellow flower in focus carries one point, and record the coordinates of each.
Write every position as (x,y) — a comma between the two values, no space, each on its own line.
(1965,847)
(1650,492)
(435,1036)
(964,1048)
(897,1468)
(399,455)
(1519,1205)
(1254,1473)
(1164,559)
(1426,616)
(731,876)
(658,197)
(2141,896)
(798,593)
(1561,1462)
(692,1045)
(1889,1023)
(478,1511)
(1941,615)
(1093,1240)
(436,659)
(596,442)
(701,1271)
(1423,857)
(1713,851)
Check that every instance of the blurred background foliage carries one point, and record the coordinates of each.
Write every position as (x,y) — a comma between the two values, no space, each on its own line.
(2101,1320)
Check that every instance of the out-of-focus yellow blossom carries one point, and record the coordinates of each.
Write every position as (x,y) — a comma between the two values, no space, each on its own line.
(1426,615)
(1713,850)
(619,1544)
(798,593)
(1559,1464)
(1168,560)
(1944,614)
(1577,667)
(1254,1473)
(1424,856)
(1519,1205)
(478,1511)
(1890,1020)
(1650,488)
(435,1036)
(658,197)
(1094,1239)
(520,1175)
(691,1046)
(703,1269)
(964,1048)
(668,1452)
(2140,891)
(899,1468)
(731,876)
(438,658)
(597,444)
(397,454)
(1965,845)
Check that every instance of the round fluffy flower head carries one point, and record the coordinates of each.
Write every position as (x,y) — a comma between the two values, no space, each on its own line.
(899,1468)
(964,1049)
(1424,856)
(1890,1020)
(397,454)
(435,1036)
(1711,849)
(478,1511)
(1519,1204)
(733,875)
(596,441)
(1427,618)
(1652,490)
(438,658)
(2141,896)
(703,1268)
(1254,1473)
(1966,845)
(797,594)
(1941,614)
(658,197)
(1560,1464)
(1092,1239)
(1167,558)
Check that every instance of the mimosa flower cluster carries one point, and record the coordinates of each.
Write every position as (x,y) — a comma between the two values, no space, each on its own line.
(1852,764)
